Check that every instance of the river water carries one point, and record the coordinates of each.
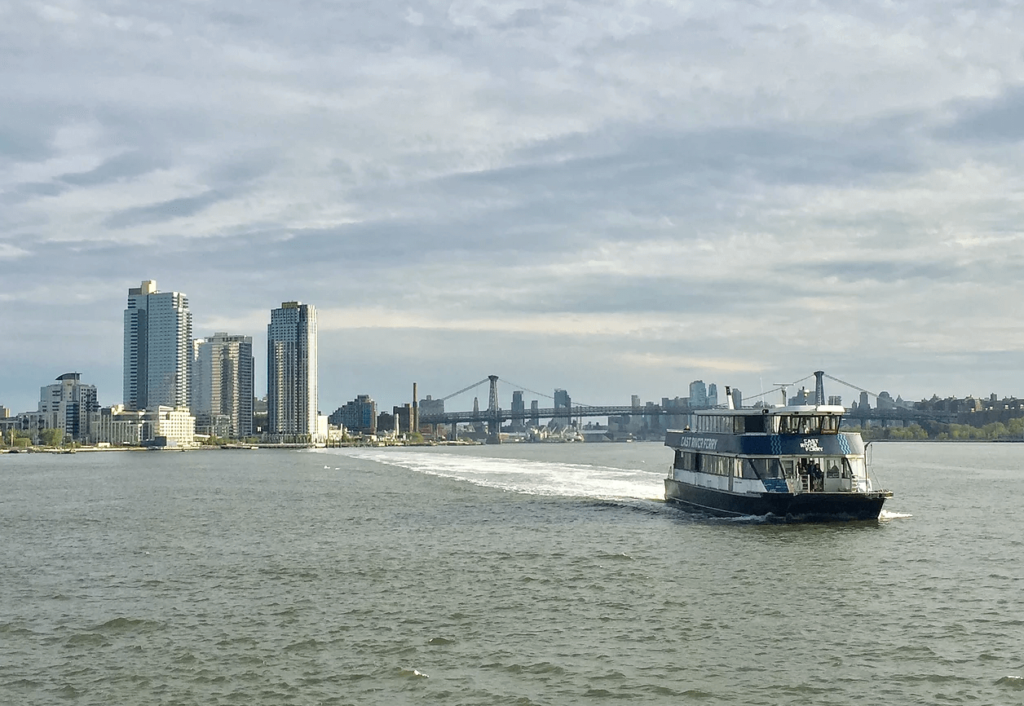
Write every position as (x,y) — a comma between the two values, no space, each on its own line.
(520,574)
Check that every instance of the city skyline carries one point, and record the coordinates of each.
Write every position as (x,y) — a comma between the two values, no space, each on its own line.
(174,318)
(612,199)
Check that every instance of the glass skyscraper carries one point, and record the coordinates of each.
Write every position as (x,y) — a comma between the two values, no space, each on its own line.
(157,348)
(291,370)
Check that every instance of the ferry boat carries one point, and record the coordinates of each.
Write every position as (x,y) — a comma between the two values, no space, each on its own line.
(790,462)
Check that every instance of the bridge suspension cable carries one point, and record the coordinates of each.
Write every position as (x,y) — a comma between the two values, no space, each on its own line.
(525,389)
(778,388)
(466,389)
(539,394)
(905,405)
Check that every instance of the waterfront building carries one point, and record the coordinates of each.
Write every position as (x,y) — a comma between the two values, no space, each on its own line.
(359,415)
(803,396)
(118,426)
(386,423)
(70,406)
(712,395)
(4,412)
(403,418)
(679,407)
(31,423)
(157,348)
(518,411)
(563,408)
(259,415)
(534,414)
(885,401)
(431,406)
(212,424)
(222,385)
(864,404)
(292,371)
(173,426)
(698,395)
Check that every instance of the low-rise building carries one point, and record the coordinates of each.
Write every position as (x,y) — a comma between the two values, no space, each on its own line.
(118,426)
(173,426)
(358,416)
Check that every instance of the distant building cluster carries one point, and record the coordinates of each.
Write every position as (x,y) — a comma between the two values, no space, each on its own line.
(177,388)
(648,421)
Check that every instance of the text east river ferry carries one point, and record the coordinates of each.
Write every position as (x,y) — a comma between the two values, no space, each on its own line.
(790,462)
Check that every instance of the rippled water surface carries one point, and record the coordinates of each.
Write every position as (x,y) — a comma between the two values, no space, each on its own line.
(547,574)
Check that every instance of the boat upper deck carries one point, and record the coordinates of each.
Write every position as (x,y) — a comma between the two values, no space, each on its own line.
(795,419)
(800,429)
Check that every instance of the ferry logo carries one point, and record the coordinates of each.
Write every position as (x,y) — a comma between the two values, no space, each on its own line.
(701,443)
(810,445)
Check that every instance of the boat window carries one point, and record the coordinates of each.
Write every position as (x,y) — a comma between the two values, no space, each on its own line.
(756,468)
(855,466)
(753,424)
(720,465)
(797,424)
(808,424)
(686,460)
(788,467)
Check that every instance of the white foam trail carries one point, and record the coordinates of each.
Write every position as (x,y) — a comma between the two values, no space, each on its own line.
(889,515)
(531,477)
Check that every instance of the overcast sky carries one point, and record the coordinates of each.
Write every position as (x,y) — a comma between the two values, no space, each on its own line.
(612,197)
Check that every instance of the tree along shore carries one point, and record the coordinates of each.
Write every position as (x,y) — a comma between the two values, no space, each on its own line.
(1012,430)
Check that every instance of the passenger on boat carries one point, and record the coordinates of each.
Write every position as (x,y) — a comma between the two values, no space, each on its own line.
(818,477)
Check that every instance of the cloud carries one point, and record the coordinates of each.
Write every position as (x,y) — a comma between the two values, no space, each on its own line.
(121,167)
(989,120)
(610,196)
(10,252)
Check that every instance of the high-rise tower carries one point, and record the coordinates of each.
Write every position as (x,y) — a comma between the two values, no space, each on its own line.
(291,370)
(222,382)
(157,348)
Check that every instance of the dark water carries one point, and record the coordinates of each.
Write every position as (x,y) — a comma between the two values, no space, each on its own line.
(512,575)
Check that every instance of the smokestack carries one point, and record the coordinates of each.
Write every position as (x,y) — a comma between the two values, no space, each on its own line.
(415,421)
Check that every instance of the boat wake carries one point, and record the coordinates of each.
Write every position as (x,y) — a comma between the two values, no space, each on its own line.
(530,477)
(891,515)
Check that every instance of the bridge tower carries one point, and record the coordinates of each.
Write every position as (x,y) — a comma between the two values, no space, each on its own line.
(493,413)
(819,387)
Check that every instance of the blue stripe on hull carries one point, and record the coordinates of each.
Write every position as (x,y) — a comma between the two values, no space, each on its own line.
(796,507)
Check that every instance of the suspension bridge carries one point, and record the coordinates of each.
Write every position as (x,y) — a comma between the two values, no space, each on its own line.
(494,415)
